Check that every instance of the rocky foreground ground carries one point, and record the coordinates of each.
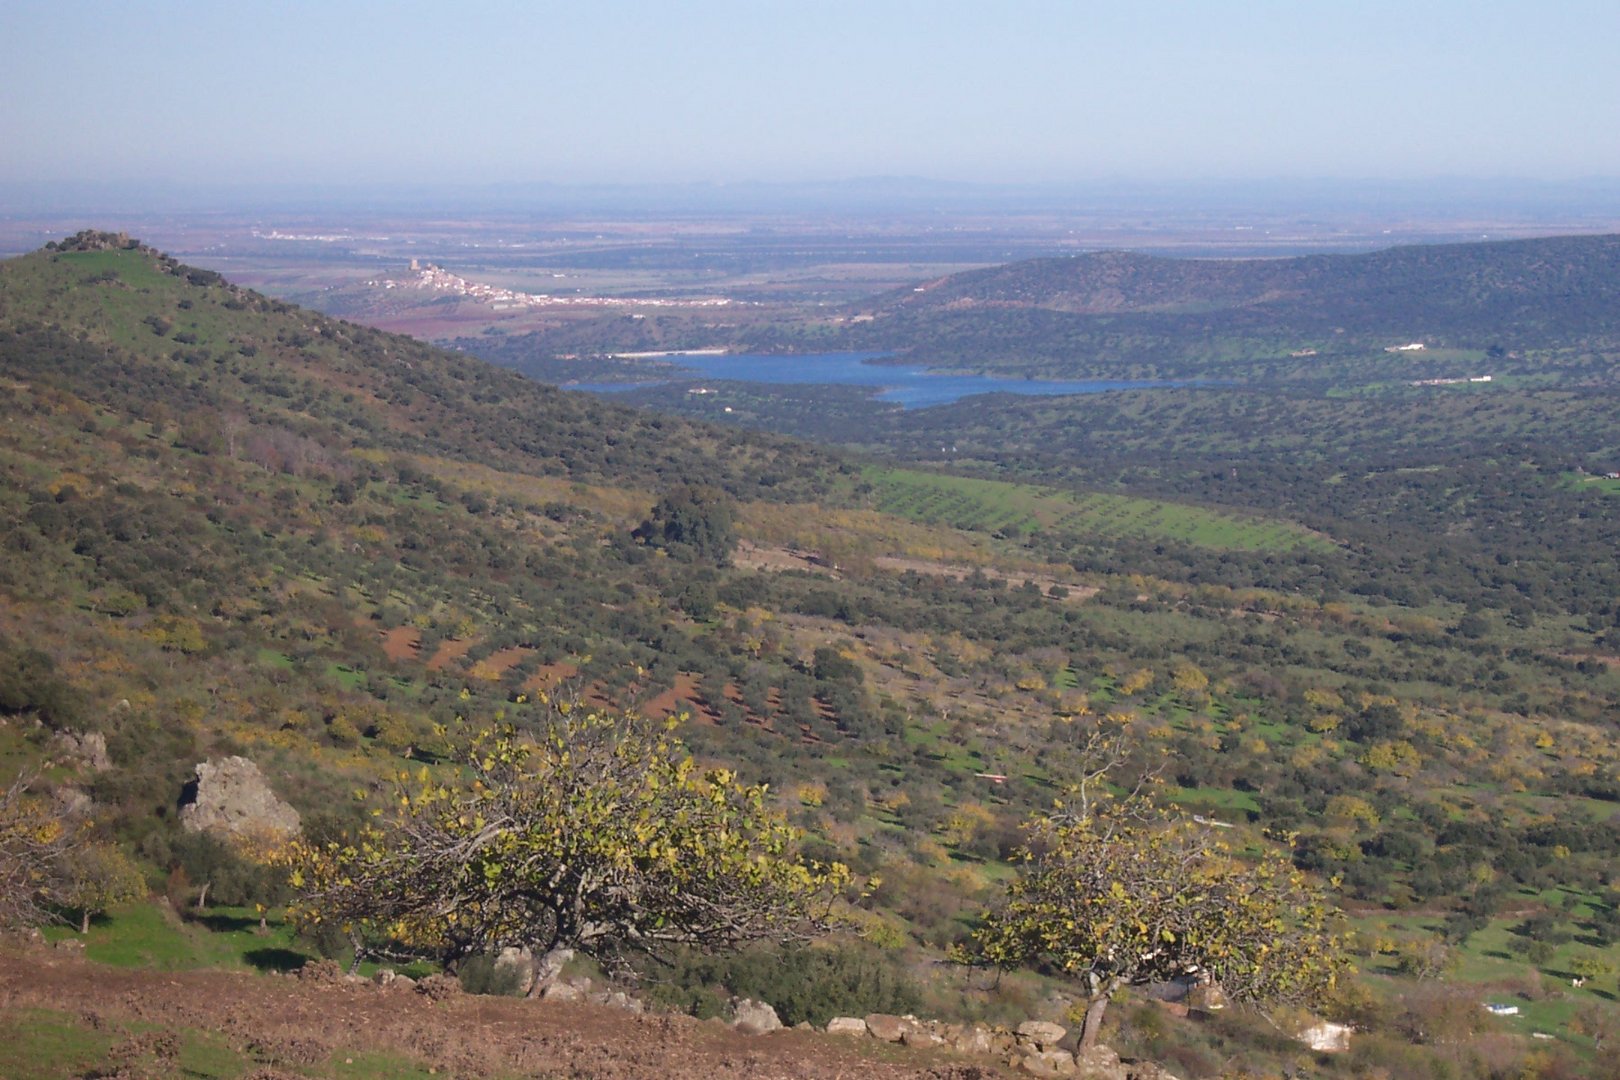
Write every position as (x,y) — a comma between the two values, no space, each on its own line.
(287,1025)
(318,1022)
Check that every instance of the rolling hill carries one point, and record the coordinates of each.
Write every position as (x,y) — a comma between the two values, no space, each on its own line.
(1204,317)
(1480,282)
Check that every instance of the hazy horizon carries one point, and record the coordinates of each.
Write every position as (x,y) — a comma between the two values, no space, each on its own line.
(1572,202)
(340,96)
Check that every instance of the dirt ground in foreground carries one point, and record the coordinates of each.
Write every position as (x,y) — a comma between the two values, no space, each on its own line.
(288,1025)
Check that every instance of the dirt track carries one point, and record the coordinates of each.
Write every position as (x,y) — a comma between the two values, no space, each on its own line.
(284,1023)
(753,556)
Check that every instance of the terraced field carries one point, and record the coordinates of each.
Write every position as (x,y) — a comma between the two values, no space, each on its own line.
(998,506)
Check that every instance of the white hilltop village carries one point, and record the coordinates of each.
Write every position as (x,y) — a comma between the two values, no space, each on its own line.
(429,278)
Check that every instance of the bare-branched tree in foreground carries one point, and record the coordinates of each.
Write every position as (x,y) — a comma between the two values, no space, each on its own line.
(32,843)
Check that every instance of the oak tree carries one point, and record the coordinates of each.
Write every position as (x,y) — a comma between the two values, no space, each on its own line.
(693,523)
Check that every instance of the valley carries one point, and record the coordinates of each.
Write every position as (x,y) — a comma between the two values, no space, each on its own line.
(1371,624)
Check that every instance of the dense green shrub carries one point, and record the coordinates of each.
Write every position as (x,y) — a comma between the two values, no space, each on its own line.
(482,974)
(29,683)
(801,983)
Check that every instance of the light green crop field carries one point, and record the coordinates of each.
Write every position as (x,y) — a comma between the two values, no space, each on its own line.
(995,505)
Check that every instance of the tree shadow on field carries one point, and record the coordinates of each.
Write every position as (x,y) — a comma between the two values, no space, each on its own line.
(221,923)
(275,959)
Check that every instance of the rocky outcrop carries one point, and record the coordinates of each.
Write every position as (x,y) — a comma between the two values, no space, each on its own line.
(71,804)
(972,1039)
(548,969)
(1206,997)
(514,966)
(88,748)
(1099,1063)
(230,797)
(1037,1049)
(617,999)
(1048,1063)
(754,1017)
(391,978)
(1040,1034)
(921,1036)
(886,1028)
(1033,1048)
(581,988)
(562,991)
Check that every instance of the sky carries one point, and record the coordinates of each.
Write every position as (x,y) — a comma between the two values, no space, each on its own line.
(642,91)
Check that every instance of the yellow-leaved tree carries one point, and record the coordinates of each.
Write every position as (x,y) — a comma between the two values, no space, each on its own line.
(599,834)
(1117,890)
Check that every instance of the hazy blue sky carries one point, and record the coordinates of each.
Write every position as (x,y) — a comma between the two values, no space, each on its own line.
(471,92)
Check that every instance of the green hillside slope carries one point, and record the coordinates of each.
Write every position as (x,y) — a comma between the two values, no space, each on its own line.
(232,526)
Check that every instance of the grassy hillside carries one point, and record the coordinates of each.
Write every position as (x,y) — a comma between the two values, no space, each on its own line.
(215,345)
(232,526)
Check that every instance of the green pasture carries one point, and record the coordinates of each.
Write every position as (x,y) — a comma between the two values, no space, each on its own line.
(1488,964)
(146,936)
(1601,484)
(1235,805)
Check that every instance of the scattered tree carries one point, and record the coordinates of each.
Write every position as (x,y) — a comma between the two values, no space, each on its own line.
(599,835)
(695,523)
(94,878)
(1118,891)
(1426,958)
(1590,965)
